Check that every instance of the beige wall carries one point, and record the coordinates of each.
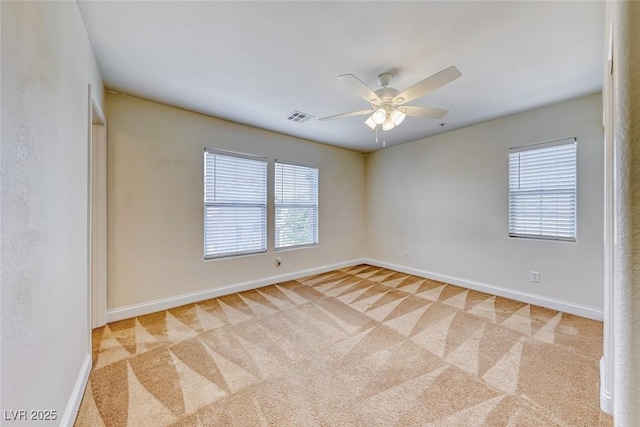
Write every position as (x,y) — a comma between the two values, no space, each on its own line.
(155,195)
(445,200)
(47,64)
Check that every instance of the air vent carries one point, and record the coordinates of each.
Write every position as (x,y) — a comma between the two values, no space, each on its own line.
(299,117)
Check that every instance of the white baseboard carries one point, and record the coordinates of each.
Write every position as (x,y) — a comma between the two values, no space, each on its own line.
(606,402)
(178,300)
(71,411)
(542,301)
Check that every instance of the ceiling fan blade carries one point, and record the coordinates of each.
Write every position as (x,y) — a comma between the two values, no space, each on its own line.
(351,114)
(429,84)
(358,86)
(423,112)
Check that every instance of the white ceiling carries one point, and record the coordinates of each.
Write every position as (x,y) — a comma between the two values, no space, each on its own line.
(256,62)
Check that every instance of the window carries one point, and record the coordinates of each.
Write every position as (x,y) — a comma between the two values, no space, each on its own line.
(235,204)
(296,200)
(542,191)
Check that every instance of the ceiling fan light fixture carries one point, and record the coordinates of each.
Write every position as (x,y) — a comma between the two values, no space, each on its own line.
(388,124)
(369,122)
(397,116)
(379,116)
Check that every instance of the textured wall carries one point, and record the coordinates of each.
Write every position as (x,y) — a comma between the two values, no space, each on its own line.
(445,199)
(155,178)
(626,292)
(47,64)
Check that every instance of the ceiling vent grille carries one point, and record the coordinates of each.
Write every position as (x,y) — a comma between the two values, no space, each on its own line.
(299,117)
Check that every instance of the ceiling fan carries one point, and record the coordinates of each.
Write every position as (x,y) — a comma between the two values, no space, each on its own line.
(388,107)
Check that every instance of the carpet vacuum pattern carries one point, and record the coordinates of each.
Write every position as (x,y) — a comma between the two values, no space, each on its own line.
(361,346)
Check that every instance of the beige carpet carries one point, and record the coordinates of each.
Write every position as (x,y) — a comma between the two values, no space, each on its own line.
(362,346)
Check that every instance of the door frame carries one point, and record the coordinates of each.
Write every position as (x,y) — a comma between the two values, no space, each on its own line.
(607,360)
(97,213)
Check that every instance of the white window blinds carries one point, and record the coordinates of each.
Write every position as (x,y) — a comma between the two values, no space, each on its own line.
(235,204)
(542,191)
(296,202)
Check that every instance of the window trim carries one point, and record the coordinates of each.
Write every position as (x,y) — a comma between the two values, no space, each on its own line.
(216,151)
(554,143)
(317,206)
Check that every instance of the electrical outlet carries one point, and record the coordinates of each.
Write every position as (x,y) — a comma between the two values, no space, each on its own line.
(407,254)
(278,262)
(534,276)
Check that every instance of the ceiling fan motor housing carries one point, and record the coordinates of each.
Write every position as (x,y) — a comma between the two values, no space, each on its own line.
(386,95)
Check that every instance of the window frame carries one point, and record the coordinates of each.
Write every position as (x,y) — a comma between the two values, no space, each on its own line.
(572,192)
(316,206)
(265,223)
